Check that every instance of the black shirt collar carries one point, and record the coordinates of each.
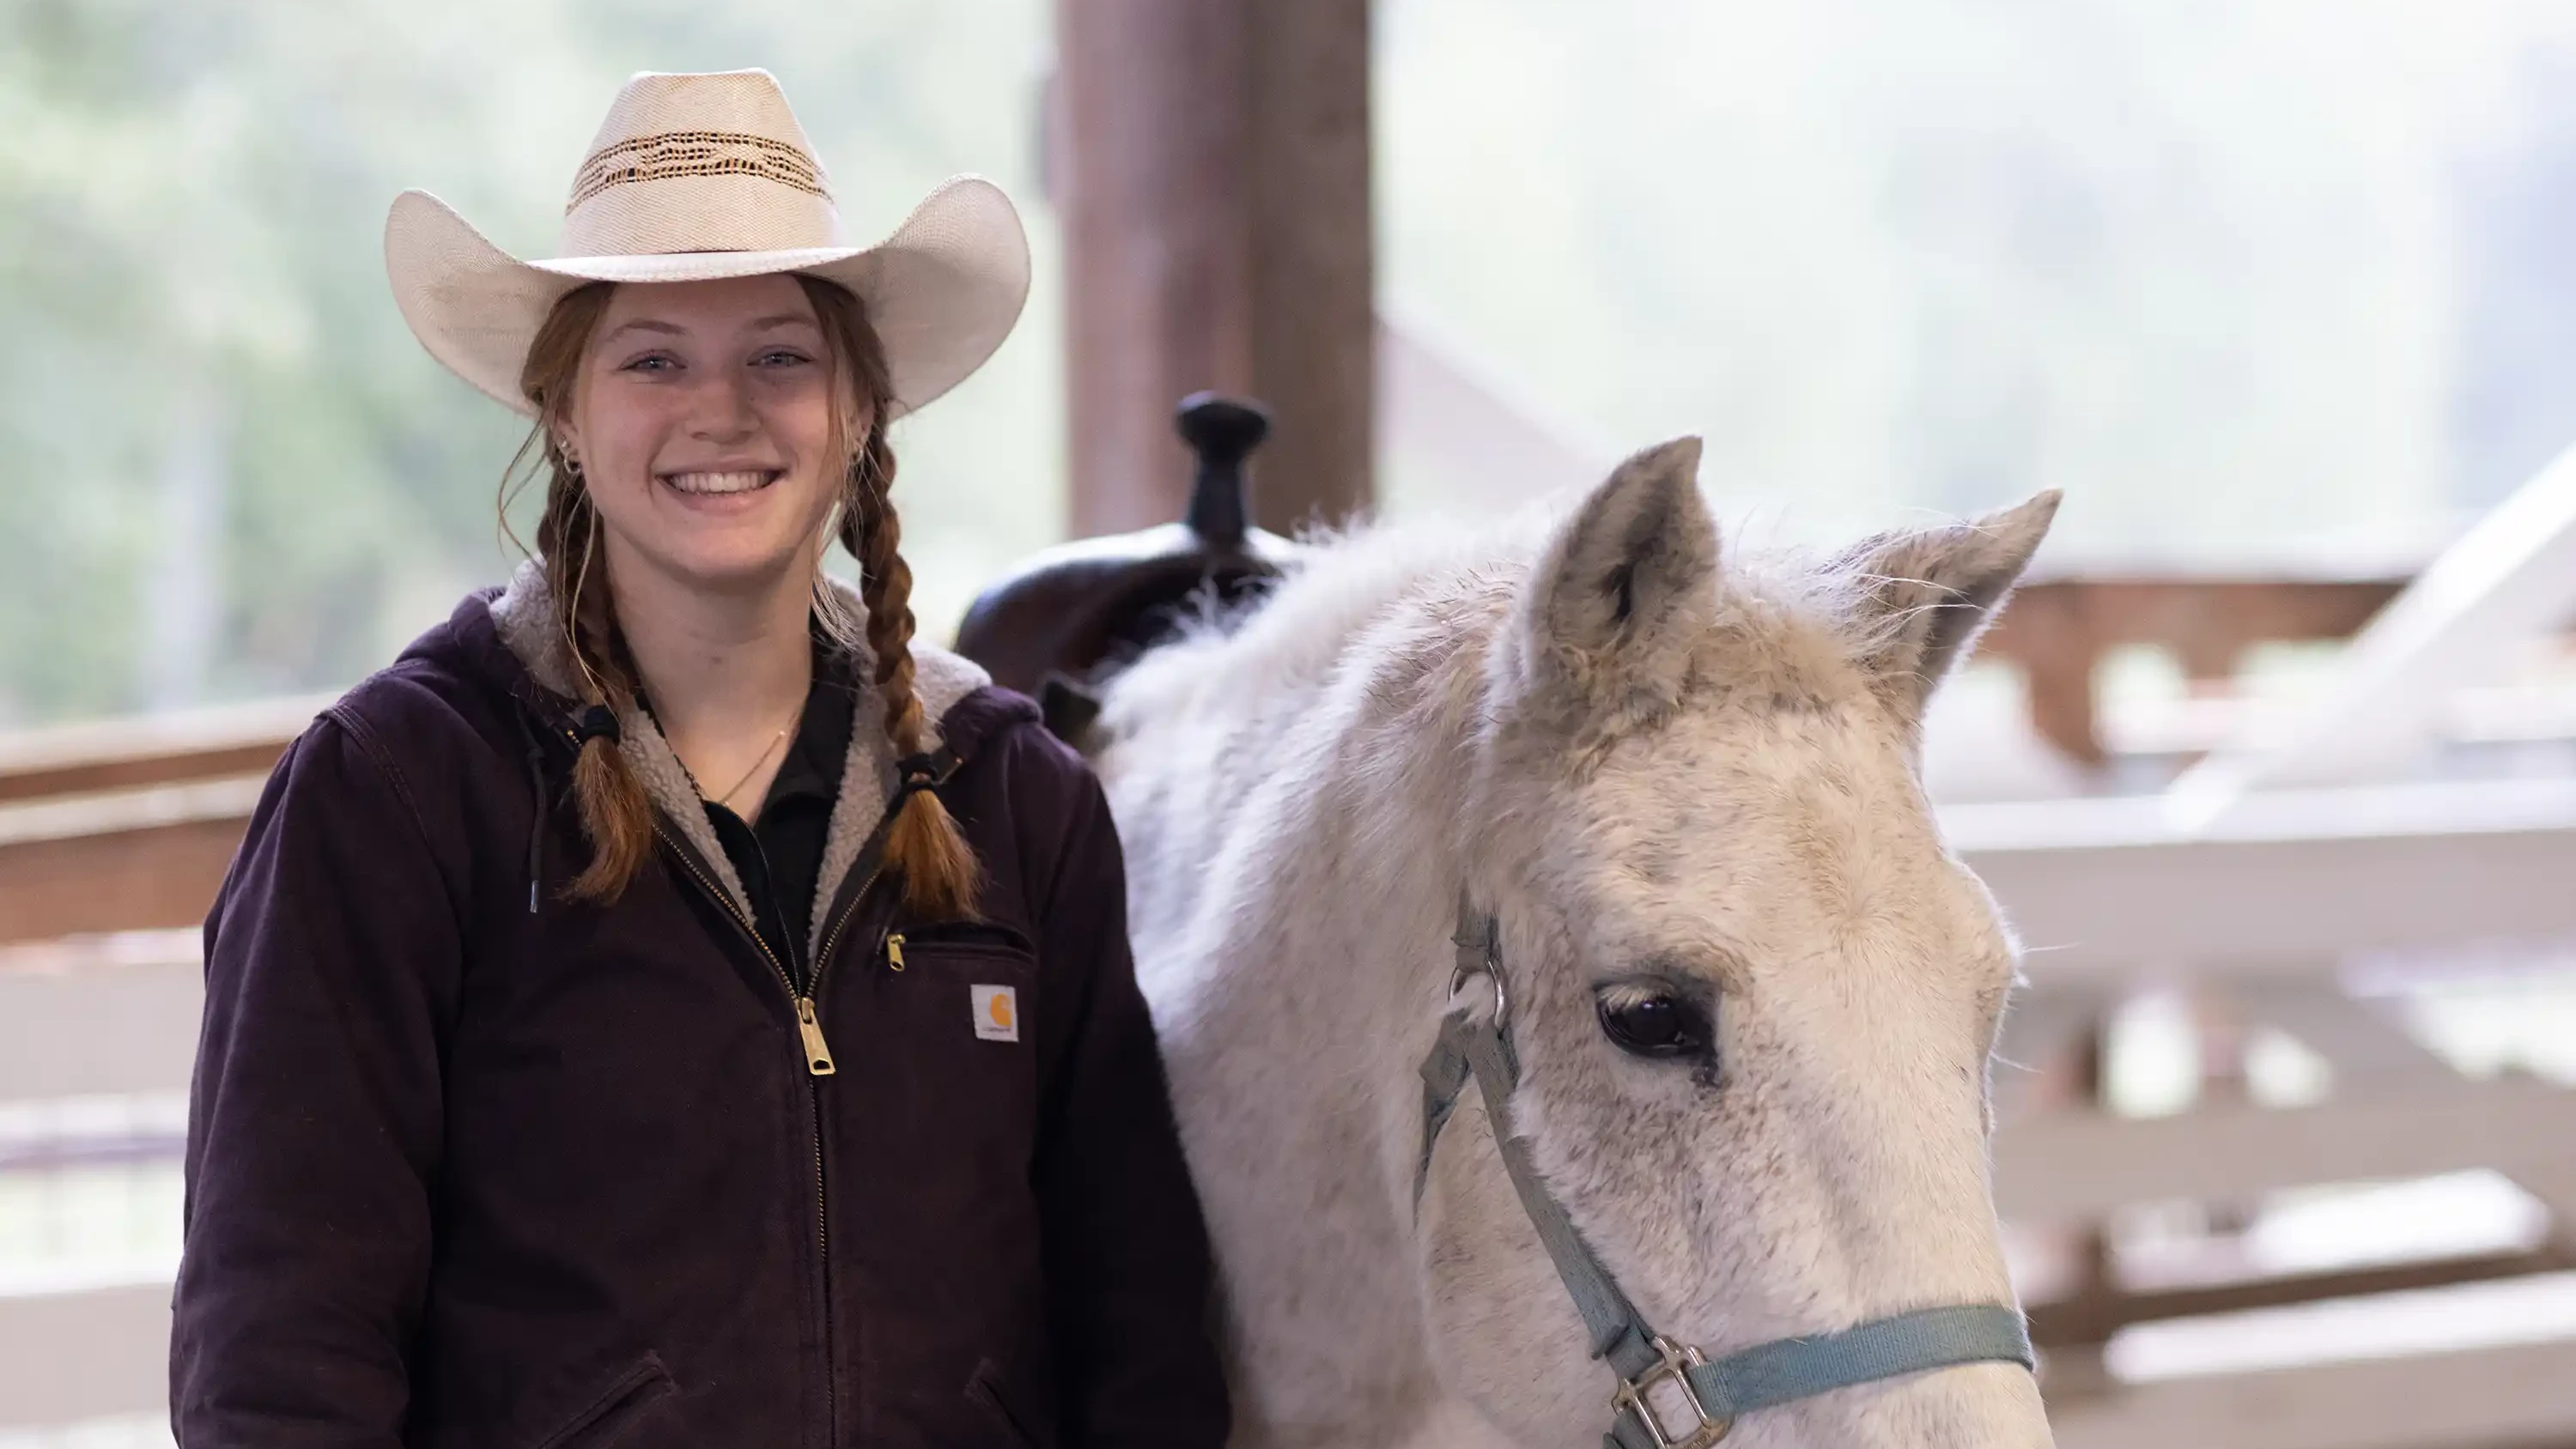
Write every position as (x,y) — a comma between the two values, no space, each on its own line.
(815,758)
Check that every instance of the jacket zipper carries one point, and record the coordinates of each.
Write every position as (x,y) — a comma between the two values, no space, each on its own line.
(832,937)
(818,1064)
(814,1045)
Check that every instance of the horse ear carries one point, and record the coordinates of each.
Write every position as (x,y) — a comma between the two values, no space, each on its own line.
(1926,596)
(1626,587)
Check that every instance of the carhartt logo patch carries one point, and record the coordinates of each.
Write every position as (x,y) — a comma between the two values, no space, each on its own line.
(997,1013)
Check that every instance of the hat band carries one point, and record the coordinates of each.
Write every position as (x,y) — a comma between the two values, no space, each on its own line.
(695,153)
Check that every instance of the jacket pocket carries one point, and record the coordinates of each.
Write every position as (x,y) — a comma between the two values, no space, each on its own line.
(965,986)
(986,1389)
(938,1093)
(625,1402)
(971,936)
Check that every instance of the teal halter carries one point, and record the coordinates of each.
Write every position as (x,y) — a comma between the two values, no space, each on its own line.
(1717,1393)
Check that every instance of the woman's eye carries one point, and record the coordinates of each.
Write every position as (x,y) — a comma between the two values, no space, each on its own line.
(782,358)
(652,362)
(1650,1023)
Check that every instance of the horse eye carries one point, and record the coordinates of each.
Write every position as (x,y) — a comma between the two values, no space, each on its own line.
(1651,1023)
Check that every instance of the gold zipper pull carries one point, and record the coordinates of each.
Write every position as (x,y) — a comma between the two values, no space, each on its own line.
(818,1053)
(894,951)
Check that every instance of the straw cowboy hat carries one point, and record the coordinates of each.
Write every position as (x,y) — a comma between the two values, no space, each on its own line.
(695,177)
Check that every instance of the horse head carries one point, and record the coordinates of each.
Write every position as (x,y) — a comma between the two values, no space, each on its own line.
(1751,995)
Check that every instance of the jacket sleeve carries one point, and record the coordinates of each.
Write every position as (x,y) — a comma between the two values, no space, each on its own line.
(1128,1275)
(314,1125)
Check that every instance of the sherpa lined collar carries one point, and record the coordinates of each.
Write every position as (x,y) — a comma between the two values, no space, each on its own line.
(530,625)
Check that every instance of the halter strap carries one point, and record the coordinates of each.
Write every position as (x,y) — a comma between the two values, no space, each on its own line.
(1720,1392)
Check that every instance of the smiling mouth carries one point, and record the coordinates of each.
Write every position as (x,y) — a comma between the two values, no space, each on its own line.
(734,481)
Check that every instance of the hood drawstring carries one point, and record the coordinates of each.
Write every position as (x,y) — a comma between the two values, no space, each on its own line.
(536,823)
(537,813)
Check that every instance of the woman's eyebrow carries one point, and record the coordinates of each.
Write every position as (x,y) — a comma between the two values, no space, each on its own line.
(645,324)
(673,329)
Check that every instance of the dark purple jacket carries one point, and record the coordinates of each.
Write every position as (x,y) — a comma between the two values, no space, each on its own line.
(469,1165)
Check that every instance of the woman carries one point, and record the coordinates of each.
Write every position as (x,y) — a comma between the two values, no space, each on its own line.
(670,1006)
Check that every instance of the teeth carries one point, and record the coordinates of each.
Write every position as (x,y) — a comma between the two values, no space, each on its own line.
(719,482)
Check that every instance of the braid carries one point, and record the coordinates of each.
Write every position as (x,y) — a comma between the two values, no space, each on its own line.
(885,586)
(941,876)
(615,812)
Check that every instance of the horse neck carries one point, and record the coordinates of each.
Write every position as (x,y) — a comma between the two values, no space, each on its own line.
(1297,843)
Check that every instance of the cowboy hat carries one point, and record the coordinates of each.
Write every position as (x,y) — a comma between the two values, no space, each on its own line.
(695,177)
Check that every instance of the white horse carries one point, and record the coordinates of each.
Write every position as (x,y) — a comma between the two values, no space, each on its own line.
(1752,996)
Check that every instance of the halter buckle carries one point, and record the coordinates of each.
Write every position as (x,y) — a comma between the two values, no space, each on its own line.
(1676,1362)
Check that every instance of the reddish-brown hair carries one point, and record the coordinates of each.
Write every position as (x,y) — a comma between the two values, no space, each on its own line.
(939,872)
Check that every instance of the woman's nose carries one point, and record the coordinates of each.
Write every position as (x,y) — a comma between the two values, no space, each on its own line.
(721,411)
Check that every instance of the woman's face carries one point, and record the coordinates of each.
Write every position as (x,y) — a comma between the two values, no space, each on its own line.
(702,420)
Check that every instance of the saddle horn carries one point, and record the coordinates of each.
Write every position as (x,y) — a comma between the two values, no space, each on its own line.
(1063,618)
(1223,431)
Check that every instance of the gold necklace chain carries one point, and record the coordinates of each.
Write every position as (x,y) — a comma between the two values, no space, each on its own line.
(726,799)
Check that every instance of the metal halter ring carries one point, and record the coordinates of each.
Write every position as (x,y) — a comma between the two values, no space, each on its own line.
(1491,970)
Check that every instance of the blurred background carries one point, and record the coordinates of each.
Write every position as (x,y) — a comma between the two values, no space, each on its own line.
(2273,764)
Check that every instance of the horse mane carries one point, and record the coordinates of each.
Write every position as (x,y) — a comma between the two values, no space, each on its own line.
(1396,600)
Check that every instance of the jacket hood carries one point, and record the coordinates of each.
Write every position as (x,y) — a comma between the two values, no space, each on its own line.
(515,638)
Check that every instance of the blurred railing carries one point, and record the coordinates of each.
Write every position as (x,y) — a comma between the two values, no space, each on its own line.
(113,838)
(129,824)
(2333,928)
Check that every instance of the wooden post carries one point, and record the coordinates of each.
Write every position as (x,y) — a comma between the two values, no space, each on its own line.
(1315,314)
(1211,169)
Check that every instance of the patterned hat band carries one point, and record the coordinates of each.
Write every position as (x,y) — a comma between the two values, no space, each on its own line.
(695,153)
